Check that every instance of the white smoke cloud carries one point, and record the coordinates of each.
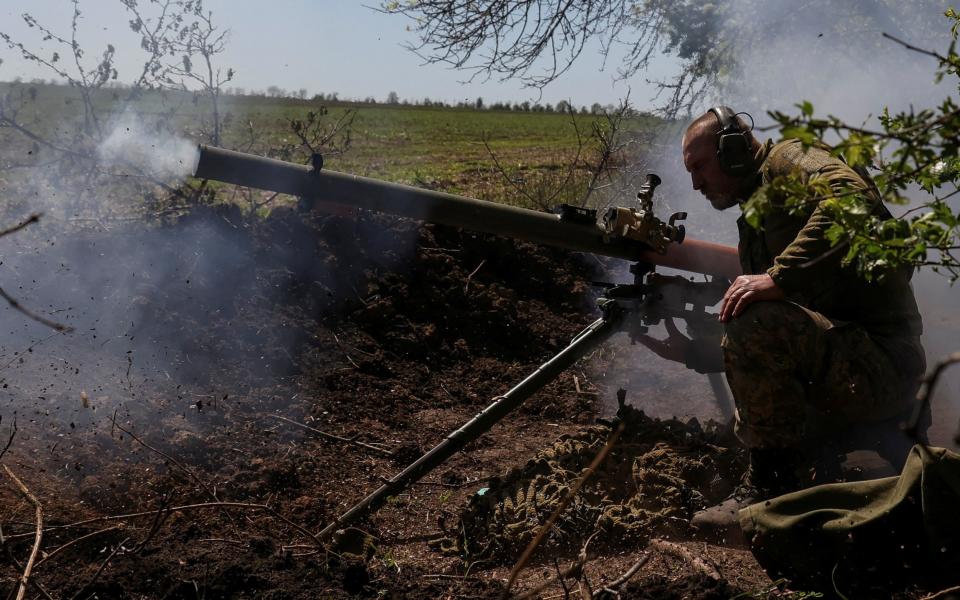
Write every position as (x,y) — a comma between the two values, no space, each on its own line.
(150,149)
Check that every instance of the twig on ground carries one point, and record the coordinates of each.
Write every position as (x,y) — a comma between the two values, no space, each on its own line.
(442,484)
(15,565)
(158,522)
(272,512)
(181,466)
(344,347)
(583,585)
(38,534)
(147,513)
(335,438)
(226,541)
(528,552)
(297,527)
(99,572)
(574,569)
(466,286)
(614,586)
(561,578)
(682,553)
(75,541)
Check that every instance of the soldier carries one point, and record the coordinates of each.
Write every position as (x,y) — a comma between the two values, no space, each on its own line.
(809,345)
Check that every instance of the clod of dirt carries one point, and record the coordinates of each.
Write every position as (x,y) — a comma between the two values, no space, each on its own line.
(406,453)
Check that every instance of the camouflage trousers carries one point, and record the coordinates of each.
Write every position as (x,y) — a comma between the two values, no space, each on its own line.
(795,375)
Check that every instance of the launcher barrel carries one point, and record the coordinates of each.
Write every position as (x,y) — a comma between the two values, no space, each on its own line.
(263,173)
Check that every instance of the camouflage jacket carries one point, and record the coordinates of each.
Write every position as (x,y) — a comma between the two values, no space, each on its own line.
(785,245)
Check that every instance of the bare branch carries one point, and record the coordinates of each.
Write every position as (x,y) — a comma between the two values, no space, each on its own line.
(103,566)
(26,222)
(38,534)
(60,327)
(13,434)
(939,57)
(86,536)
(925,393)
(562,506)
(506,39)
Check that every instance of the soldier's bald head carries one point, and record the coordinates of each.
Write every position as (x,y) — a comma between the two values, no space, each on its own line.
(701,159)
(704,129)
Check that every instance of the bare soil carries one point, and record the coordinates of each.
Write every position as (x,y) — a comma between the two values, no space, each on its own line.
(201,344)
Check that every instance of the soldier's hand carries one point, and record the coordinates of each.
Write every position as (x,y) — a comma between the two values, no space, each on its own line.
(745,290)
(673,347)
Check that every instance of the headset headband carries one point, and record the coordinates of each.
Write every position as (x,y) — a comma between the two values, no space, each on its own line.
(727,118)
(733,143)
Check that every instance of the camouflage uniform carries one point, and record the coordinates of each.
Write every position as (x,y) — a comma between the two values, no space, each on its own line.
(839,349)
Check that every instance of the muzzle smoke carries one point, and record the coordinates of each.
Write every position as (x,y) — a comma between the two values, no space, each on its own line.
(132,143)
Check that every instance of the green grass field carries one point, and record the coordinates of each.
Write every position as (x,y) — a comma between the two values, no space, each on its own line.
(441,148)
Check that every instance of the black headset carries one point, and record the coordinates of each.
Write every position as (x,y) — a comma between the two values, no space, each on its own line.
(733,146)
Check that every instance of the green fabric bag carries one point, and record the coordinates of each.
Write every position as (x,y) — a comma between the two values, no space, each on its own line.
(867,535)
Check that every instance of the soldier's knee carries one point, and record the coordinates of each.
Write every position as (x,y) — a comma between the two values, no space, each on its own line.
(762,322)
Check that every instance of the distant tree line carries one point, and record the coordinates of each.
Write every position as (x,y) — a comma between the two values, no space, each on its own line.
(392,98)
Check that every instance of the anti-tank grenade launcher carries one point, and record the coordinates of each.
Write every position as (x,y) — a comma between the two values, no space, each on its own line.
(563,231)
(634,234)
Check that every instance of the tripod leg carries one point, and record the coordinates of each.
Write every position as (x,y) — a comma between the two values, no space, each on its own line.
(718,385)
(585,341)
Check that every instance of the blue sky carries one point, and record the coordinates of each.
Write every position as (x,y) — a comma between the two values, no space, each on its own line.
(323,46)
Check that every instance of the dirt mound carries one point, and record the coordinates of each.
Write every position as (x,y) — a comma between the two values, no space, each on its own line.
(197,334)
(656,475)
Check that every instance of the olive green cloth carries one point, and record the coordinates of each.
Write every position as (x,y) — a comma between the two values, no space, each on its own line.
(793,250)
(897,531)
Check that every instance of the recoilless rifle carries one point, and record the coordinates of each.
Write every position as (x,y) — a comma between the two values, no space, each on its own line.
(635,234)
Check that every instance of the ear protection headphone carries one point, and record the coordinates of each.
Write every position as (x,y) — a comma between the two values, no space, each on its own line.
(733,146)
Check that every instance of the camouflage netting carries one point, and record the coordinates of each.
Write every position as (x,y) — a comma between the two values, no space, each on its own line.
(656,476)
